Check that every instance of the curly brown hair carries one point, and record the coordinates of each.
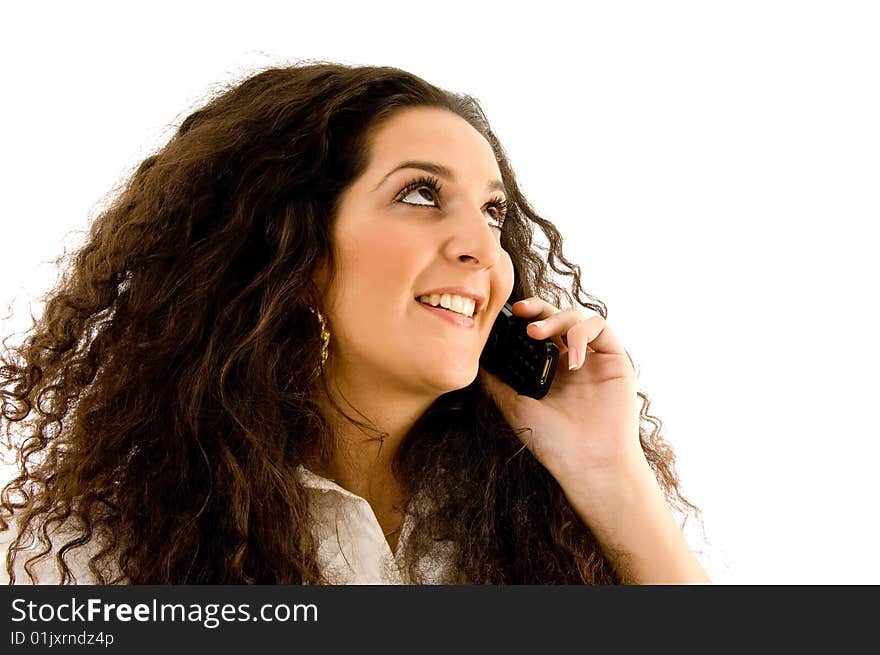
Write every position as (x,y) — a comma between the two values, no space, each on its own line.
(171,379)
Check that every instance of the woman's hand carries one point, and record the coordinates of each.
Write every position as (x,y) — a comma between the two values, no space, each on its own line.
(585,431)
(586,428)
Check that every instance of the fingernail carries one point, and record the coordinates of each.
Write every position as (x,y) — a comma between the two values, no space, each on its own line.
(538,323)
(572,359)
(522,302)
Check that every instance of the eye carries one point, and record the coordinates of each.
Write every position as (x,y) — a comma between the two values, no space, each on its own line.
(500,207)
(428,188)
(424,191)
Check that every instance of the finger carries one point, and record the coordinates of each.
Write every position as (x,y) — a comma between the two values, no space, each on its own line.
(503,394)
(538,309)
(559,325)
(534,307)
(577,344)
(601,338)
(599,335)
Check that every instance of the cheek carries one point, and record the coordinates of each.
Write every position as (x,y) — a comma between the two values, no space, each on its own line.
(504,276)
(380,261)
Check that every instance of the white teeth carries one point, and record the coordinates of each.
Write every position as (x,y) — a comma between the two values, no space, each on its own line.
(458,304)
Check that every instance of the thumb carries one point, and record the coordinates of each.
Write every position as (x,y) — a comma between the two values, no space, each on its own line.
(509,403)
(502,393)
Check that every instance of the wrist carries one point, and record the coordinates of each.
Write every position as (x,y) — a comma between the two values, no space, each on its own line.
(627,513)
(611,489)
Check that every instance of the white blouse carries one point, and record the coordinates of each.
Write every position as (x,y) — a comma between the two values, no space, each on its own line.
(352,547)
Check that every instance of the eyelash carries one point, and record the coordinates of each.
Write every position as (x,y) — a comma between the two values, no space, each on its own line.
(498,203)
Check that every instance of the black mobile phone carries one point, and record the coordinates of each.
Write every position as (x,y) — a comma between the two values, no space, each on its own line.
(526,364)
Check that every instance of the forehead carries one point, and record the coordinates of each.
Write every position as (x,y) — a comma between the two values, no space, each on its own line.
(419,133)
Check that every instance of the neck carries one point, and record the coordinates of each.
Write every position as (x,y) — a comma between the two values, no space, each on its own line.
(362,456)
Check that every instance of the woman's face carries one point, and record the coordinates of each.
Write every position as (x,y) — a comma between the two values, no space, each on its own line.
(392,244)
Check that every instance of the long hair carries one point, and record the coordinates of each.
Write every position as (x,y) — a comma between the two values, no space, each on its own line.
(166,395)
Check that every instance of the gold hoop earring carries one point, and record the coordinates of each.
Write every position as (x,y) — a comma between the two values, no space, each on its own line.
(325,335)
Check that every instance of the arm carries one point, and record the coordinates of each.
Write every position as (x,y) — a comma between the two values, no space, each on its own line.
(586,432)
(636,529)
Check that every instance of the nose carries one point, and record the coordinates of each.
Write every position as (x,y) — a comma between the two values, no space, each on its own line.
(473,239)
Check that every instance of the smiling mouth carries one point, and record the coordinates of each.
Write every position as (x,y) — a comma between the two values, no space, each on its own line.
(448,315)
(467,307)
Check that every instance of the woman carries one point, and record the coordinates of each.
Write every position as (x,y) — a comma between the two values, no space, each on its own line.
(240,382)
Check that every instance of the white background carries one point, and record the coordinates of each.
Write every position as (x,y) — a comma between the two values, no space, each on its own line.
(713,166)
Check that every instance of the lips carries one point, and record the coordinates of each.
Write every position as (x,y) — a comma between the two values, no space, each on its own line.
(454,318)
(467,292)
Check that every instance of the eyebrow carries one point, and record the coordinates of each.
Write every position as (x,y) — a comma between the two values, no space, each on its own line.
(442,171)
